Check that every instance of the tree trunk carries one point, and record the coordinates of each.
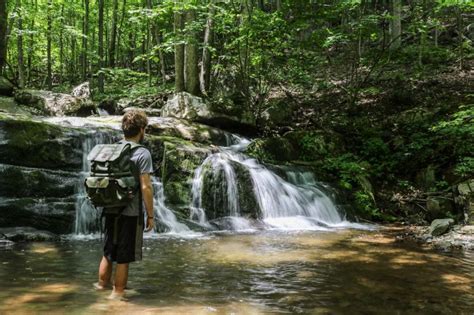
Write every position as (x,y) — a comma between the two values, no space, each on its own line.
(191,57)
(49,78)
(21,67)
(3,34)
(148,44)
(396,25)
(113,35)
(101,47)
(85,32)
(206,52)
(179,52)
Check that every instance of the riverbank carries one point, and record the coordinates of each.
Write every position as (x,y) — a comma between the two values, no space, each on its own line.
(459,238)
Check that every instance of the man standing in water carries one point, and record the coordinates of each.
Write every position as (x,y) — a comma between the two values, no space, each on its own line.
(129,227)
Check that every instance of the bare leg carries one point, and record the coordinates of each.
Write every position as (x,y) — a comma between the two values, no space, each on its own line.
(121,278)
(105,273)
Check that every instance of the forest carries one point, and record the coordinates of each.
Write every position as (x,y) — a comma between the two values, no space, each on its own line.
(376,96)
(308,156)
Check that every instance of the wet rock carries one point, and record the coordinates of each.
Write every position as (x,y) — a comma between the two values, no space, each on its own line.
(438,207)
(110,106)
(28,234)
(55,104)
(6,87)
(5,244)
(440,226)
(279,112)
(177,170)
(38,144)
(50,214)
(17,182)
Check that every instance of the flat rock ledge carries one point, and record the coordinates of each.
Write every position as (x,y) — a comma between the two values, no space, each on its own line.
(460,237)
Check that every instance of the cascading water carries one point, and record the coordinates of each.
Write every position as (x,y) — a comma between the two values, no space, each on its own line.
(165,216)
(299,204)
(87,216)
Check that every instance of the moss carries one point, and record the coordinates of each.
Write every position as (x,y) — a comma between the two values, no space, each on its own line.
(271,149)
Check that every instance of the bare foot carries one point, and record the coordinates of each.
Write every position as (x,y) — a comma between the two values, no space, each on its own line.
(117,296)
(100,287)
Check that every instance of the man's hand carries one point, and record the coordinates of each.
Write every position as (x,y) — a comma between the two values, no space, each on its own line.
(150,224)
(147,194)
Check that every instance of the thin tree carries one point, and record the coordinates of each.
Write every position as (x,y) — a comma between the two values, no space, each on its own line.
(191,57)
(113,35)
(205,76)
(179,50)
(101,46)
(396,24)
(21,66)
(85,34)
(49,78)
(3,34)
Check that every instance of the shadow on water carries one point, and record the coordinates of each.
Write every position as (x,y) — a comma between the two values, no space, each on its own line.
(337,272)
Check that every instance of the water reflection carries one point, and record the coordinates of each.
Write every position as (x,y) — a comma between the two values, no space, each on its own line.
(345,271)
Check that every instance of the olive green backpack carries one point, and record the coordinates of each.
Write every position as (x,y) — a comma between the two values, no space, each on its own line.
(111,183)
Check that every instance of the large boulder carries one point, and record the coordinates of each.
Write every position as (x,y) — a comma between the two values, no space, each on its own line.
(9,106)
(193,108)
(6,88)
(32,143)
(184,129)
(55,104)
(83,90)
(216,199)
(180,160)
(440,226)
(278,112)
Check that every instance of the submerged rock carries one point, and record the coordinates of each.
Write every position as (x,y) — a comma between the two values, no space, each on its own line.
(440,226)
(28,234)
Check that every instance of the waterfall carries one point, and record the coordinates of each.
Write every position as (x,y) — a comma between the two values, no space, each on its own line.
(164,215)
(87,217)
(295,204)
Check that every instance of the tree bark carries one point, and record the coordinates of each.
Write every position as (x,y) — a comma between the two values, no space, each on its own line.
(3,34)
(396,25)
(49,78)
(191,57)
(21,66)
(101,47)
(85,33)
(179,52)
(206,52)
(113,35)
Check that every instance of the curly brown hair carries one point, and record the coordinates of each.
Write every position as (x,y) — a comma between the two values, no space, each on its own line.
(133,121)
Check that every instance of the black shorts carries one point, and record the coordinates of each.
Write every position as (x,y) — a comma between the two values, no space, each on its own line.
(123,239)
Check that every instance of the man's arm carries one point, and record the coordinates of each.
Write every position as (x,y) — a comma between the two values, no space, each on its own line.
(147,195)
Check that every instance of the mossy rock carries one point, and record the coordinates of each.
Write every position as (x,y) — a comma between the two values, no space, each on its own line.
(39,144)
(215,196)
(177,170)
(40,183)
(274,149)
(49,214)
(6,88)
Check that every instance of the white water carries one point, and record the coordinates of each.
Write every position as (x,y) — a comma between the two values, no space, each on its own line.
(87,217)
(164,215)
(298,204)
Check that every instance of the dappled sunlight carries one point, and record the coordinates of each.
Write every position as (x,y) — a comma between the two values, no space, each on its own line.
(41,248)
(42,294)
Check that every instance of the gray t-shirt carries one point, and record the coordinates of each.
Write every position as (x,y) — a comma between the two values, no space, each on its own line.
(141,157)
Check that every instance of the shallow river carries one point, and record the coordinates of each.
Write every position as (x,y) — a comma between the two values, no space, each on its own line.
(339,272)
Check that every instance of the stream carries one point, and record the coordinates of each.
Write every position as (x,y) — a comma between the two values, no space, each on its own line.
(294,251)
